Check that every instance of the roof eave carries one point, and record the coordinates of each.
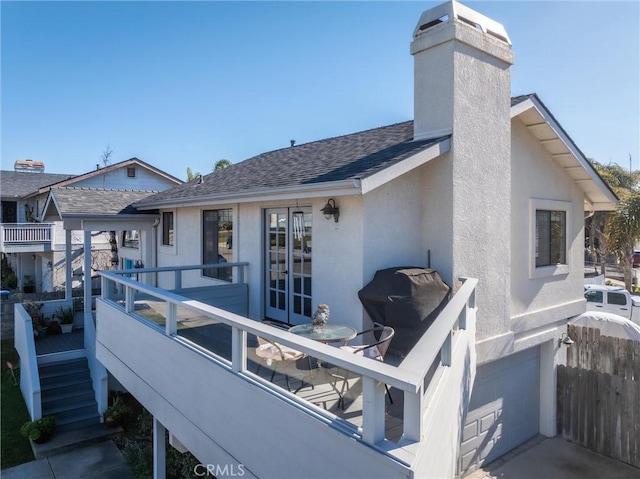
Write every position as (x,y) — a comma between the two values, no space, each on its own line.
(353,186)
(412,162)
(598,195)
(314,190)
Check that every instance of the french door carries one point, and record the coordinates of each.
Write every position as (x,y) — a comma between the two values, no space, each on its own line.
(288,264)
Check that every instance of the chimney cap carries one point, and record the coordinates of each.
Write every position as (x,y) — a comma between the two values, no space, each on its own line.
(453,11)
(29,166)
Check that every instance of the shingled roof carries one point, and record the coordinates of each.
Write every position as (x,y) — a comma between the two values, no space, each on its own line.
(95,202)
(348,157)
(17,184)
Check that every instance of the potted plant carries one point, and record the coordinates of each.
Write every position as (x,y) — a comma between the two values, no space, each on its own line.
(39,430)
(41,325)
(115,414)
(65,315)
(33,309)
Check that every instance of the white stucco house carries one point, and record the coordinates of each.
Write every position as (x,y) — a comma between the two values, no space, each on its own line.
(33,237)
(486,188)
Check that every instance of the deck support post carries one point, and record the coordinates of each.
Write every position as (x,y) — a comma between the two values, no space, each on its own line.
(86,271)
(68,266)
(159,450)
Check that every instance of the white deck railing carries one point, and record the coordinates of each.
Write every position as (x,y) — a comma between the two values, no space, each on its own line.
(25,345)
(25,233)
(416,376)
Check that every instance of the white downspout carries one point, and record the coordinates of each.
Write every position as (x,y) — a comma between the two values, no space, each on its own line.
(154,250)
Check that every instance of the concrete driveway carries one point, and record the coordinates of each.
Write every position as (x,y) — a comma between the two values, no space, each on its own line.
(554,458)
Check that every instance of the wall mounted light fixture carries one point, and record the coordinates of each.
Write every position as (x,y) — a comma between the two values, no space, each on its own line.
(330,209)
(565,339)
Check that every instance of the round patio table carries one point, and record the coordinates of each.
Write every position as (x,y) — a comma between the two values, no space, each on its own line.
(329,333)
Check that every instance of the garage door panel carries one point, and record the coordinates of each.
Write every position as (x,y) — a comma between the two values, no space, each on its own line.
(503,411)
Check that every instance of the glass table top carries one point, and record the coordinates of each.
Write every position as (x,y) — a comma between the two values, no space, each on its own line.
(327,334)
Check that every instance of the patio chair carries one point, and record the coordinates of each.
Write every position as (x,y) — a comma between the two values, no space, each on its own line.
(278,356)
(381,337)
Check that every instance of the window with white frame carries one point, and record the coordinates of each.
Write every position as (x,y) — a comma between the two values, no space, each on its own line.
(550,220)
(551,237)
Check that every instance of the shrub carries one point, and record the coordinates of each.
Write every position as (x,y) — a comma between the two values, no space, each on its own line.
(117,413)
(39,430)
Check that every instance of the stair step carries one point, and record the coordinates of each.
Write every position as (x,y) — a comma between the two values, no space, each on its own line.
(63,441)
(66,408)
(54,381)
(53,372)
(76,395)
(64,387)
(77,422)
(61,365)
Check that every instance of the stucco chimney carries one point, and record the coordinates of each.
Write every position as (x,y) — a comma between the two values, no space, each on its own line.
(461,64)
(462,87)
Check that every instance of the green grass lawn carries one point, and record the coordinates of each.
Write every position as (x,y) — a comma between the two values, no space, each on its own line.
(14,448)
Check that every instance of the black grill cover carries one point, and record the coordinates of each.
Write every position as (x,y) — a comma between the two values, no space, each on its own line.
(406,298)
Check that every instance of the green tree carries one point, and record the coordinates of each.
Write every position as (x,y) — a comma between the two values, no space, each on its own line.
(221,165)
(190,175)
(623,230)
(604,239)
(618,178)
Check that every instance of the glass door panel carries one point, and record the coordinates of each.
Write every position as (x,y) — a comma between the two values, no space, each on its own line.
(288,265)
(276,265)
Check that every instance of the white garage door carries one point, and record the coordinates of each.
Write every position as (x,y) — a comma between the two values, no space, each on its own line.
(504,409)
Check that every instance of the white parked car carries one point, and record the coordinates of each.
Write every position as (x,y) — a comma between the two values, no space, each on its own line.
(609,325)
(613,299)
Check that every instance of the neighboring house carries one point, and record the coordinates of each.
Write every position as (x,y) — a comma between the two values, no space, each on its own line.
(478,185)
(34,240)
(27,244)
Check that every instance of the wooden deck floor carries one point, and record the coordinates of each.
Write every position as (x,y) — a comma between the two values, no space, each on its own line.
(56,343)
(322,386)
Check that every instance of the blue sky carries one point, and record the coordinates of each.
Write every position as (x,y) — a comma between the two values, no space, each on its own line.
(184,84)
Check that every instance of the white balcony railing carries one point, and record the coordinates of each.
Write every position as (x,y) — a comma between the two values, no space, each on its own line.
(434,378)
(25,233)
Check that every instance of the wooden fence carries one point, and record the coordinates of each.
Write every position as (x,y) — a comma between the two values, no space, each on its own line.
(599,395)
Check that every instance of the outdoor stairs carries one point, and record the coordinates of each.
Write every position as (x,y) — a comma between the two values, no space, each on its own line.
(67,393)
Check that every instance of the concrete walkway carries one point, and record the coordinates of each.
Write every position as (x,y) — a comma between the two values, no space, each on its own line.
(555,458)
(98,461)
